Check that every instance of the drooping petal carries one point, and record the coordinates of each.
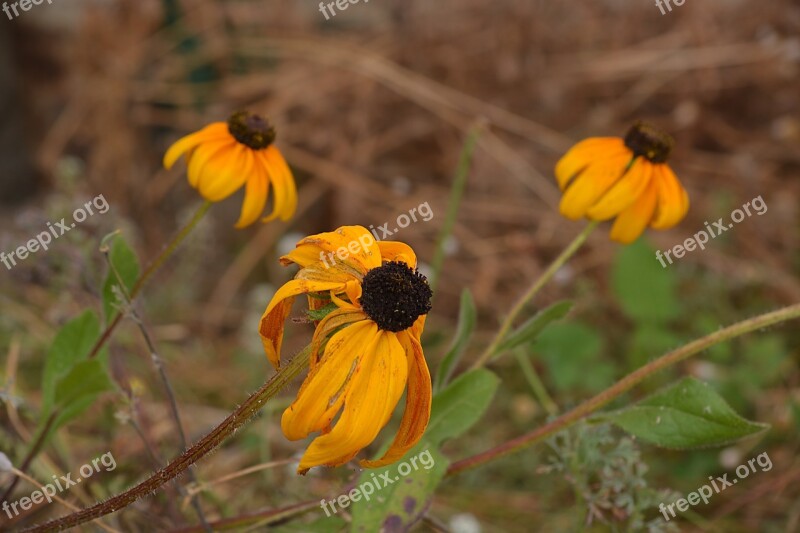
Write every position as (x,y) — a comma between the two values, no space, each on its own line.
(591,184)
(624,192)
(397,251)
(370,400)
(586,152)
(283,183)
(418,404)
(226,173)
(255,198)
(215,131)
(202,154)
(633,220)
(673,200)
(272,321)
(329,383)
(335,320)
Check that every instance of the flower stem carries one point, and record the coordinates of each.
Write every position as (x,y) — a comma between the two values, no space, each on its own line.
(453,204)
(151,269)
(625,384)
(546,276)
(235,421)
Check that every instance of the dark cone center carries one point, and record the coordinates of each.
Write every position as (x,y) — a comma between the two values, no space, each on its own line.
(649,142)
(251,130)
(395,295)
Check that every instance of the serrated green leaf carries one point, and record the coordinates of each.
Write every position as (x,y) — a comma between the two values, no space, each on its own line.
(70,346)
(686,414)
(395,507)
(127,267)
(531,329)
(645,289)
(467,317)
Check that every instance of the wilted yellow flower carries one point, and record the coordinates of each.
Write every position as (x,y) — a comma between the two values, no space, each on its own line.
(371,342)
(607,177)
(224,157)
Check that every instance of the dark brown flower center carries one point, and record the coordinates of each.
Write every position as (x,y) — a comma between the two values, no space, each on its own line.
(395,295)
(251,130)
(649,142)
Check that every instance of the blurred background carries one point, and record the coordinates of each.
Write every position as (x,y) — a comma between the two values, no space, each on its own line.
(372,107)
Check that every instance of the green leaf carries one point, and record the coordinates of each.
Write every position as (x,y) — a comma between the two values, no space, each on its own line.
(86,379)
(127,267)
(322,312)
(70,346)
(645,289)
(569,349)
(397,506)
(686,414)
(467,317)
(531,329)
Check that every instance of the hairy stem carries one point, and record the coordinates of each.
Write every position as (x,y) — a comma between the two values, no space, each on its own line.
(625,384)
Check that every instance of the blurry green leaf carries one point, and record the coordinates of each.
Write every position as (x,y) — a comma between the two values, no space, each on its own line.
(645,289)
(649,339)
(127,267)
(86,379)
(398,505)
(531,329)
(70,346)
(686,414)
(467,316)
(572,353)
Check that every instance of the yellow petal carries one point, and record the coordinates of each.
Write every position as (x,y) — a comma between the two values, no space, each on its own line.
(624,192)
(370,400)
(327,385)
(591,184)
(283,183)
(335,320)
(418,405)
(673,201)
(397,251)
(274,317)
(633,220)
(201,155)
(586,152)
(226,173)
(351,250)
(255,198)
(215,131)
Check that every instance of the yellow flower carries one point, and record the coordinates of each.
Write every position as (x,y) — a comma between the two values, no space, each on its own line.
(223,157)
(607,177)
(370,342)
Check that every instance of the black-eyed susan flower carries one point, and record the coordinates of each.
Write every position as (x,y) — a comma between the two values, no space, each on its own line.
(370,344)
(627,178)
(224,157)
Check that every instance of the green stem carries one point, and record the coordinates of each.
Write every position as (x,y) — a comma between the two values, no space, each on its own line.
(627,383)
(546,276)
(235,421)
(155,265)
(454,203)
(535,382)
